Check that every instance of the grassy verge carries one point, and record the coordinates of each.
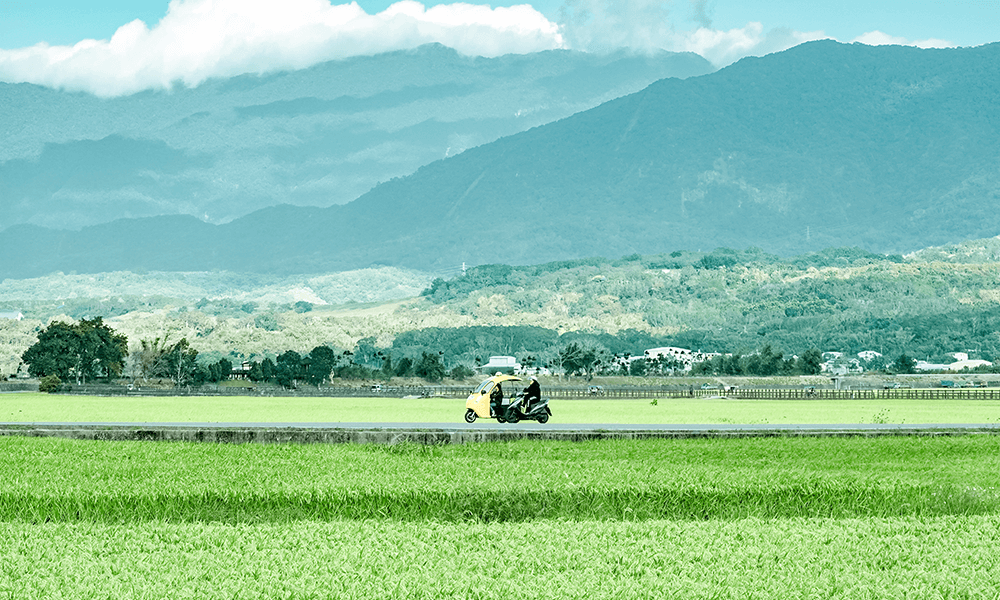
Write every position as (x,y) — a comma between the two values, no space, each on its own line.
(949,557)
(30,407)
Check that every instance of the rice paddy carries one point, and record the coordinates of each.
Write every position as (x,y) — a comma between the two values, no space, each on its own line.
(703,518)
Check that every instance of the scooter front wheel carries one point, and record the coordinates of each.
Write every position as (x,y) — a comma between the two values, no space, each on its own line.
(470,416)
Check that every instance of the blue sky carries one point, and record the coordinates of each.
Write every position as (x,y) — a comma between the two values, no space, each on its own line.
(155,44)
(962,22)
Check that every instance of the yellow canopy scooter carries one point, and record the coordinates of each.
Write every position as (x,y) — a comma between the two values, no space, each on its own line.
(487,402)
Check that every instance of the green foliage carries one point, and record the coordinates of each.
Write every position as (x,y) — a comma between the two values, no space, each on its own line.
(461,372)
(49,384)
(636,480)
(179,363)
(904,365)
(320,364)
(86,350)
(288,369)
(810,361)
(430,367)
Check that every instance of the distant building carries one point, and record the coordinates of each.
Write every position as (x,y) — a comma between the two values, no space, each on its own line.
(503,364)
(241,371)
(869,355)
(686,357)
(963,363)
(12,315)
(838,365)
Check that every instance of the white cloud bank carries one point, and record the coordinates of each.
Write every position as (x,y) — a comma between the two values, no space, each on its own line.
(199,39)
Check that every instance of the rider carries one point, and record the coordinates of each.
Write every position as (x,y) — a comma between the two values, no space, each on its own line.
(496,398)
(532,393)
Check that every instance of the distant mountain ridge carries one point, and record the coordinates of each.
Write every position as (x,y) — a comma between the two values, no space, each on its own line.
(824,145)
(313,137)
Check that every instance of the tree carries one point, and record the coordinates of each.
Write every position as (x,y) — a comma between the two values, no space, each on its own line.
(87,350)
(810,363)
(288,368)
(904,365)
(179,363)
(319,364)
(430,367)
(262,370)
(404,368)
(461,372)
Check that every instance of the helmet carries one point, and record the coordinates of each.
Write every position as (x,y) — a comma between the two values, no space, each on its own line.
(498,374)
(534,377)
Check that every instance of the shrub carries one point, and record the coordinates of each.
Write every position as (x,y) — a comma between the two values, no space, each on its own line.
(49,384)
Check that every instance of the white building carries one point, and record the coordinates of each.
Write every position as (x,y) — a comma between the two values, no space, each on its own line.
(504,364)
(12,315)
(682,355)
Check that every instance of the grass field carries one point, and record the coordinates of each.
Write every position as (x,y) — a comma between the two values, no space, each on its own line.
(724,518)
(34,407)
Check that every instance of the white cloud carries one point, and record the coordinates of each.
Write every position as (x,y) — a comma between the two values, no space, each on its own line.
(877,38)
(647,25)
(199,39)
(725,47)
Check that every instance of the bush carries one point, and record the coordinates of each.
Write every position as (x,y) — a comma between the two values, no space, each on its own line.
(461,372)
(49,384)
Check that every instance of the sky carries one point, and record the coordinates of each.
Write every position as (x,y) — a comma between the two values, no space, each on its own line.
(115,47)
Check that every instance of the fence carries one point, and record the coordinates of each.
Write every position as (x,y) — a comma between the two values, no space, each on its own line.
(554,392)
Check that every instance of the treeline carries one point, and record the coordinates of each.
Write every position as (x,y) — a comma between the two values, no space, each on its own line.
(843,299)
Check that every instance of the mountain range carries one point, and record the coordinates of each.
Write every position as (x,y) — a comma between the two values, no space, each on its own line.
(313,137)
(886,148)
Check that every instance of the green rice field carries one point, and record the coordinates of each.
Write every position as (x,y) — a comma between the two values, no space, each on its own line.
(34,407)
(856,517)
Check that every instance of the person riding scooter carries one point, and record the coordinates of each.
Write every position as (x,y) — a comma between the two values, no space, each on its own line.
(532,393)
(496,399)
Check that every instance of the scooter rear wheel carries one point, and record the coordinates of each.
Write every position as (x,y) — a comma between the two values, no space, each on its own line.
(512,416)
(543,418)
(470,416)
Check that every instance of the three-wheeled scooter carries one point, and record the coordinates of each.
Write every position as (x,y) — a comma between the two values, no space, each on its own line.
(508,409)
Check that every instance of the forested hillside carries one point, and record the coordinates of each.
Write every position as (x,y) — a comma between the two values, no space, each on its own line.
(927,304)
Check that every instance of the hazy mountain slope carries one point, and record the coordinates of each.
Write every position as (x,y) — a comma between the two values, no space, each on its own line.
(886,148)
(825,144)
(316,136)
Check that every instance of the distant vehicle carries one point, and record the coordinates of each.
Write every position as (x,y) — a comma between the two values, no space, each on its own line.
(947,383)
(377,388)
(980,384)
(708,386)
(967,384)
(595,390)
(891,385)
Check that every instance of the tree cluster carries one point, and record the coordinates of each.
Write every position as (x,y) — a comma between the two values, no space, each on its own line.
(82,352)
